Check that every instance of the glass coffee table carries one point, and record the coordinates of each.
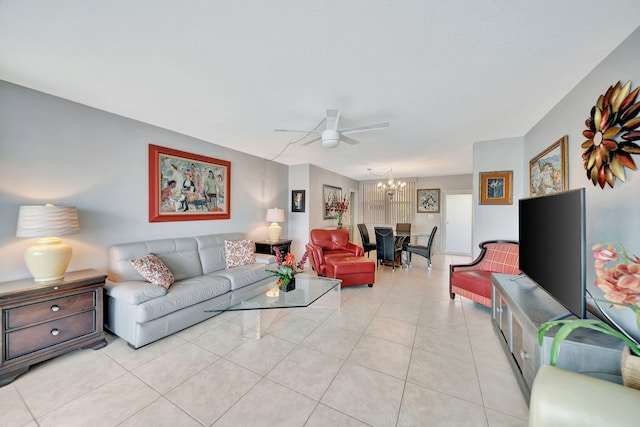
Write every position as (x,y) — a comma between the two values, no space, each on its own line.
(261,305)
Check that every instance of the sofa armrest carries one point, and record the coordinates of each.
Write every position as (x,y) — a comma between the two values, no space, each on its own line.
(134,291)
(316,257)
(564,398)
(355,249)
(265,259)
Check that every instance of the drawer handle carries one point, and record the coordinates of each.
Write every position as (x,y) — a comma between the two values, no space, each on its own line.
(55,332)
(55,308)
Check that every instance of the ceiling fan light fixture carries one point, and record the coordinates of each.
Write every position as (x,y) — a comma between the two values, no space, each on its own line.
(330,138)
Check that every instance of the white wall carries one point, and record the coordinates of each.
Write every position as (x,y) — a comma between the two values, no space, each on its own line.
(298,222)
(612,213)
(492,222)
(54,150)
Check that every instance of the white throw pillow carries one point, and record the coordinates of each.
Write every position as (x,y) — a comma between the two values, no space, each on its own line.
(239,252)
(154,270)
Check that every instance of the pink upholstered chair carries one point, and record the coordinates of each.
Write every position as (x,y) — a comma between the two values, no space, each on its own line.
(473,280)
(330,243)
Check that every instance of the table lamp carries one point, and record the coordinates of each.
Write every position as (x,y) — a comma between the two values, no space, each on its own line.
(275,216)
(48,259)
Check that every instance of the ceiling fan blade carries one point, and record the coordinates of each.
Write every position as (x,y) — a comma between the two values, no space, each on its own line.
(364,128)
(331,118)
(293,130)
(348,140)
(312,141)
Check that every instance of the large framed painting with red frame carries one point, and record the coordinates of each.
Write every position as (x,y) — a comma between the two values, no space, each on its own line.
(187,187)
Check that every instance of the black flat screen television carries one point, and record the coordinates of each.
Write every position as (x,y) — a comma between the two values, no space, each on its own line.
(552,246)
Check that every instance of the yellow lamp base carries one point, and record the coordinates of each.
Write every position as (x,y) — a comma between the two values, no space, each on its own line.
(48,259)
(275,231)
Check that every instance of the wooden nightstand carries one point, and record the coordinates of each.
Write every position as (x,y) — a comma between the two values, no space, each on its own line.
(44,320)
(266,247)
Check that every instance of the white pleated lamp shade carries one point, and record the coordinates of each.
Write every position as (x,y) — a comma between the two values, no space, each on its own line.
(48,259)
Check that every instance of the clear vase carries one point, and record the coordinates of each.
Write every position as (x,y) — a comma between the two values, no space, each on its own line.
(339,221)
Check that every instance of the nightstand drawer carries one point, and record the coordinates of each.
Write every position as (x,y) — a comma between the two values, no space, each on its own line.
(52,309)
(39,337)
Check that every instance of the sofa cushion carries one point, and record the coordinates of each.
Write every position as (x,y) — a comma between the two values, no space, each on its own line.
(474,281)
(244,275)
(134,292)
(179,255)
(154,270)
(239,252)
(182,294)
(501,258)
(211,250)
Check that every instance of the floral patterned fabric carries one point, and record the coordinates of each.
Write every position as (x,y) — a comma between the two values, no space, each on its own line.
(154,270)
(239,252)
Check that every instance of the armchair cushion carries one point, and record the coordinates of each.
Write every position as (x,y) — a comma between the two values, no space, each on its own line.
(330,243)
(473,280)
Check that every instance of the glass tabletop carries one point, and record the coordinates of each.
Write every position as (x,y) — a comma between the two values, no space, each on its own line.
(308,289)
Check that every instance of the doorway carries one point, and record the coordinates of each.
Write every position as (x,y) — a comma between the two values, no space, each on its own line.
(458,223)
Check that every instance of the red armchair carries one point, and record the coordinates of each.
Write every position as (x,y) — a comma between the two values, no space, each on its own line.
(473,280)
(325,244)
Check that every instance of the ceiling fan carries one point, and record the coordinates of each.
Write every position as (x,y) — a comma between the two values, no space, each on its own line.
(331,135)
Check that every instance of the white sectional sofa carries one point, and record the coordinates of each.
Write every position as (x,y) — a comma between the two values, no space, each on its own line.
(140,312)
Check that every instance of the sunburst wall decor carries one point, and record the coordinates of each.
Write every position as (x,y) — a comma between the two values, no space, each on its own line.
(611,129)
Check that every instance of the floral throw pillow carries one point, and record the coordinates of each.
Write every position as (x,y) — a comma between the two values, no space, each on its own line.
(239,252)
(154,270)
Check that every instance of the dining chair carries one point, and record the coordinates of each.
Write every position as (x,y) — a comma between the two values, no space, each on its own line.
(364,236)
(403,234)
(422,250)
(387,248)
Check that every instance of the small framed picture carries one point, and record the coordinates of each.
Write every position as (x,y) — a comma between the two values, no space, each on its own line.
(428,200)
(297,200)
(496,188)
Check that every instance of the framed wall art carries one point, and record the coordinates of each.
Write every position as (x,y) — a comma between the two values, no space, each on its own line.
(548,171)
(496,188)
(428,200)
(330,195)
(297,201)
(187,187)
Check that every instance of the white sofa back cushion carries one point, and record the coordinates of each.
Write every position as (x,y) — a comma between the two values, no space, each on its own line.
(179,255)
(211,249)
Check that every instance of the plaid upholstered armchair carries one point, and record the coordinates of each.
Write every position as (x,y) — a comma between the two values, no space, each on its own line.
(473,280)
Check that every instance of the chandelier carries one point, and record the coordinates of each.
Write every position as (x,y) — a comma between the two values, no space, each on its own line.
(391,187)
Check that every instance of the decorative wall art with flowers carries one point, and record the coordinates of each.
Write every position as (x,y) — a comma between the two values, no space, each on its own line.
(612,128)
(336,206)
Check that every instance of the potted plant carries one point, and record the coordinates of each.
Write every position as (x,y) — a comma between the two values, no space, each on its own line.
(287,269)
(620,283)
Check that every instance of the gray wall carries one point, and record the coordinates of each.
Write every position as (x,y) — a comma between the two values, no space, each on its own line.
(54,150)
(612,213)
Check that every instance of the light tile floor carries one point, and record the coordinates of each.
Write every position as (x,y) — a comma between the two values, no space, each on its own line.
(398,354)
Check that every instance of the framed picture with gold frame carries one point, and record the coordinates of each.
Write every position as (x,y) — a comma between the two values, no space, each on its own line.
(548,171)
(496,188)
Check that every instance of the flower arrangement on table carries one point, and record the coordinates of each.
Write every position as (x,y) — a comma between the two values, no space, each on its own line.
(621,286)
(287,267)
(337,206)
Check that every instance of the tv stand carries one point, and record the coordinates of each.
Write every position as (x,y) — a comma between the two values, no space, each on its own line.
(518,308)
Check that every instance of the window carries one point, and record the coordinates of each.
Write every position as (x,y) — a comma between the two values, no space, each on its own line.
(378,208)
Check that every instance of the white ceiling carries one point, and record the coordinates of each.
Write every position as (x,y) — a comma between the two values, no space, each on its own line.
(444,73)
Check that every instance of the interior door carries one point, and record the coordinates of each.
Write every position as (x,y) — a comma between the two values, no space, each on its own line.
(458,223)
